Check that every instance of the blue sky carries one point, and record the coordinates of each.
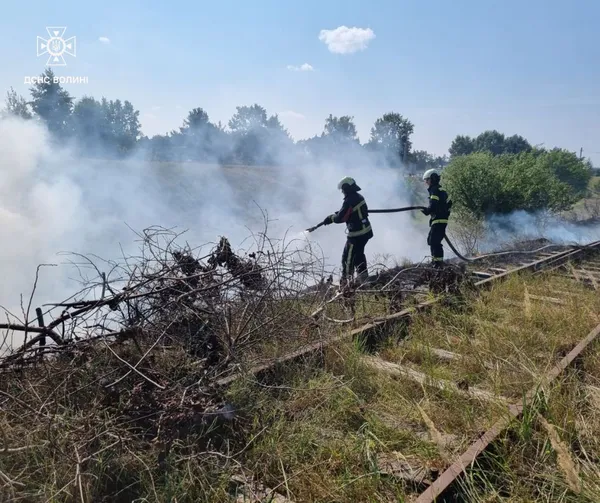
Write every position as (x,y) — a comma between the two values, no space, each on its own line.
(452,67)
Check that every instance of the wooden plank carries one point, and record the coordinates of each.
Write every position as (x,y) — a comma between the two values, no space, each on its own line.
(481,274)
(547,299)
(591,267)
(574,277)
(518,303)
(425,380)
(442,354)
(564,292)
(587,272)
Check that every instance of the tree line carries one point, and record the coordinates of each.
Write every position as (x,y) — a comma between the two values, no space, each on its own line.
(487,174)
(251,137)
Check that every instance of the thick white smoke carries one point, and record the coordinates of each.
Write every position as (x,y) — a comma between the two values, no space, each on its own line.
(53,202)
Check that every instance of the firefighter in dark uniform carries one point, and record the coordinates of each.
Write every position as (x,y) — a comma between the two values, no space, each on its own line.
(439,212)
(355,214)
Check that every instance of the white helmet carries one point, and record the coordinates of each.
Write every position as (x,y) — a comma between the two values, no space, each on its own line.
(430,172)
(348,180)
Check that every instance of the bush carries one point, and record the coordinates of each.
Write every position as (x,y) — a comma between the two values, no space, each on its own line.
(484,184)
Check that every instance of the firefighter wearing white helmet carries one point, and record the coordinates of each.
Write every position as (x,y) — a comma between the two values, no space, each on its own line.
(355,214)
(439,212)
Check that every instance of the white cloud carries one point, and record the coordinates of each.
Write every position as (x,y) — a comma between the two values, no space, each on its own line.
(291,114)
(104,40)
(344,40)
(302,68)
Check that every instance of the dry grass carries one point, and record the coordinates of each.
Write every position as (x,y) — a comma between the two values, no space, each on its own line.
(507,337)
(330,431)
(327,429)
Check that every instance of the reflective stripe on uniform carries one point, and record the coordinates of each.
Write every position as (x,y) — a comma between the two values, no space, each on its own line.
(440,221)
(349,260)
(358,206)
(434,197)
(364,230)
(360,232)
(437,259)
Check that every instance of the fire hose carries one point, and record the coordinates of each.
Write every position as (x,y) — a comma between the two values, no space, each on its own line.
(398,210)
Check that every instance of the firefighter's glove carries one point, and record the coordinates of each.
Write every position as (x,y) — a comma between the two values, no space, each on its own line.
(327,220)
(425,212)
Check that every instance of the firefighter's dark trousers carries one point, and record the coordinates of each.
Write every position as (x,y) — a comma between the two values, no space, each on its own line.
(434,240)
(353,257)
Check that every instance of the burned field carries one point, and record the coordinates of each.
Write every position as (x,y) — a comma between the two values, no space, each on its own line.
(165,387)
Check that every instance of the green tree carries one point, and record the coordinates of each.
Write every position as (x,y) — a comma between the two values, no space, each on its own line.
(516,144)
(391,134)
(160,148)
(339,140)
(111,127)
(257,138)
(484,184)
(90,124)
(248,118)
(421,159)
(341,129)
(197,120)
(489,141)
(133,128)
(122,128)
(16,105)
(199,139)
(462,145)
(475,184)
(532,186)
(52,104)
(567,167)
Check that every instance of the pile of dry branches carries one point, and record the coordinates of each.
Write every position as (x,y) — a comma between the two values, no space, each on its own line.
(121,372)
(215,305)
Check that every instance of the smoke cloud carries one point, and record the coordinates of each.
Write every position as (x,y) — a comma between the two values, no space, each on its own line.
(503,229)
(54,202)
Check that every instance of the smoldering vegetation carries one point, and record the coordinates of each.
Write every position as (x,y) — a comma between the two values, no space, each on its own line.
(139,273)
(74,204)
